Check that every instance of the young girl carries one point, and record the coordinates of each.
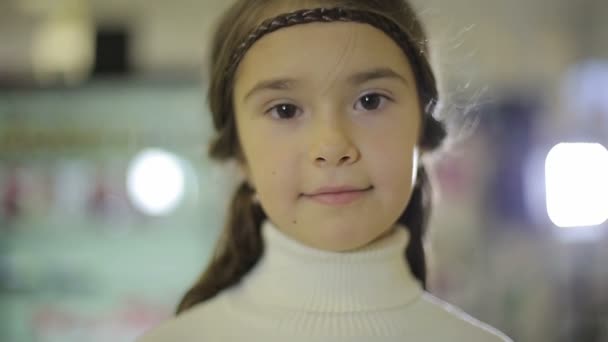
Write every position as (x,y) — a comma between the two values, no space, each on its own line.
(327,105)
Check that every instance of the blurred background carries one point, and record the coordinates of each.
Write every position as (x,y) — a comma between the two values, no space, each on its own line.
(109,206)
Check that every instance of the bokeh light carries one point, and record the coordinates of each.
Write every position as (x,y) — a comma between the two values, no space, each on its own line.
(577,186)
(155,182)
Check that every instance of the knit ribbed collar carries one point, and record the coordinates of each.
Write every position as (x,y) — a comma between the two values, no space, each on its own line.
(291,275)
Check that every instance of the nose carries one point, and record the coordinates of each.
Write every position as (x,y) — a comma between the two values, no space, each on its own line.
(333,144)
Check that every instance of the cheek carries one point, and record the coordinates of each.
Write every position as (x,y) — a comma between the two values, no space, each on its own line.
(392,155)
(394,166)
(274,168)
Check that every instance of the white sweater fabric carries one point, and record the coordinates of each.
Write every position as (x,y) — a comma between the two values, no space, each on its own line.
(298,293)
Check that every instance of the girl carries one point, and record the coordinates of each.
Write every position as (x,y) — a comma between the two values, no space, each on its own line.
(327,106)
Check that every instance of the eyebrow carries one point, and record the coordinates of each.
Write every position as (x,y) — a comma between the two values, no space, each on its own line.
(374,74)
(355,79)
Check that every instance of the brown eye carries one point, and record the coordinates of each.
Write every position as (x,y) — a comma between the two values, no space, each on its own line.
(284,111)
(371,101)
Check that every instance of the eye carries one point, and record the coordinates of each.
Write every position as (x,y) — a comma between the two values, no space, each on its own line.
(371,101)
(284,111)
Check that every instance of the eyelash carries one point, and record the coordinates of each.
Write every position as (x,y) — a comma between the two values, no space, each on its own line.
(382,97)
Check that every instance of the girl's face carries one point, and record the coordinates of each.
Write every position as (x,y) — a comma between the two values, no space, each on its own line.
(328,104)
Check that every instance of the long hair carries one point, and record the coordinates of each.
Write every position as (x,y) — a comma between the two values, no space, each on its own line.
(240,245)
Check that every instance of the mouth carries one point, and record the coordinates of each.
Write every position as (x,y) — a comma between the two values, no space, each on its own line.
(336,190)
(339,197)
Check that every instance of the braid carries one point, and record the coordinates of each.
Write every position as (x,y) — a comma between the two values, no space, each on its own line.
(238,251)
(415,219)
(320,15)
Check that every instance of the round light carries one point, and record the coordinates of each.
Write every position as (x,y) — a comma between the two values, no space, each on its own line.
(155,181)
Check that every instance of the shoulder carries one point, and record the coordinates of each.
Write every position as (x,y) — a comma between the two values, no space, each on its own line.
(456,324)
(197,323)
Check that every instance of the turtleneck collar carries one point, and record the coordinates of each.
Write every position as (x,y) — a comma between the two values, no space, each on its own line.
(291,275)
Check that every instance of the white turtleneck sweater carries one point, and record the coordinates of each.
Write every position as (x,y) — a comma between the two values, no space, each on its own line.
(298,293)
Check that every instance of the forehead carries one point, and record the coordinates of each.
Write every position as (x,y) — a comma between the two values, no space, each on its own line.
(320,52)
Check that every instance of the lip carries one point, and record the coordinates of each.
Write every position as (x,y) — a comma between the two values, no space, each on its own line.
(336,190)
(338,196)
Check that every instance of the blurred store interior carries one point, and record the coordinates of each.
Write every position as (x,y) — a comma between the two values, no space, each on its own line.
(101,99)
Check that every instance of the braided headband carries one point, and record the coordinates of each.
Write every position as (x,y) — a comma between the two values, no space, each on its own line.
(415,51)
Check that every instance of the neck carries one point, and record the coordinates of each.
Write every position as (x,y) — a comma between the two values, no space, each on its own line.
(291,275)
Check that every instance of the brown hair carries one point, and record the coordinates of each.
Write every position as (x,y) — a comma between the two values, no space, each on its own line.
(241,246)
